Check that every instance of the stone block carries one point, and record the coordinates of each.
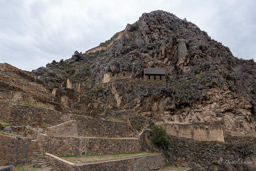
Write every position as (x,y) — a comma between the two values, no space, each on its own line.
(7,168)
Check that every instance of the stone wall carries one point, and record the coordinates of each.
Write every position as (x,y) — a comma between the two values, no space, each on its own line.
(149,163)
(99,48)
(23,115)
(109,78)
(66,129)
(92,127)
(15,150)
(68,84)
(64,146)
(236,154)
(198,132)
(155,78)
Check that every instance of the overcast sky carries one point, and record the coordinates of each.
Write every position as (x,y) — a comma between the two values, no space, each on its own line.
(35,32)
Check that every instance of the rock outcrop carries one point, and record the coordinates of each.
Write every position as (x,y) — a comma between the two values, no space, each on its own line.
(204,81)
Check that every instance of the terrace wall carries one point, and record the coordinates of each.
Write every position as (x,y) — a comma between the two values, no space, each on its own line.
(23,115)
(15,150)
(64,146)
(198,131)
(92,127)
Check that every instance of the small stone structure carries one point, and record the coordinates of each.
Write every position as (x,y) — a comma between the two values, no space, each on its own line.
(68,92)
(68,84)
(197,131)
(154,74)
(109,77)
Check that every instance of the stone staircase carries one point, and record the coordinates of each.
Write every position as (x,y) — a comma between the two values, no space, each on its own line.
(76,138)
(38,159)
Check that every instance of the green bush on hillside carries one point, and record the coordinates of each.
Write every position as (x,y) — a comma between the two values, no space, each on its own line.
(158,136)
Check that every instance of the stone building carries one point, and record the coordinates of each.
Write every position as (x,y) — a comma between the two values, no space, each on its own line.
(150,74)
(154,74)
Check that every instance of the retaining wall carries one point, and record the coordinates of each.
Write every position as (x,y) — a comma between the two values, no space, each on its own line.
(66,129)
(149,163)
(23,115)
(63,146)
(113,39)
(198,131)
(15,150)
(92,127)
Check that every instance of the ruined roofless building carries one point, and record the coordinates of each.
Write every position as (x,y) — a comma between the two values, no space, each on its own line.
(150,74)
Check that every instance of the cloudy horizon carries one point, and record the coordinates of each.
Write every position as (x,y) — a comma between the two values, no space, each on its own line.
(36,32)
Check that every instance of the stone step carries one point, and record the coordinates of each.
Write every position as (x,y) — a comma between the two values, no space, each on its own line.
(147,162)
(64,146)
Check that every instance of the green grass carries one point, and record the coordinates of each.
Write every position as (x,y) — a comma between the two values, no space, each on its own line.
(25,104)
(96,90)
(174,168)
(7,133)
(28,168)
(5,124)
(55,82)
(115,120)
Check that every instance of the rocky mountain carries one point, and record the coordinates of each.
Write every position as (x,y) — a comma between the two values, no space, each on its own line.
(204,81)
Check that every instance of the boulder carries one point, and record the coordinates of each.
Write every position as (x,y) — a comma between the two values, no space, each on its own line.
(33,132)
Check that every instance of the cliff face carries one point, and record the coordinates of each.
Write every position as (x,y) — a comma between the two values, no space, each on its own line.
(204,81)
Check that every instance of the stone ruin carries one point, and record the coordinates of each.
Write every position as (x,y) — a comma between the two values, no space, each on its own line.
(154,75)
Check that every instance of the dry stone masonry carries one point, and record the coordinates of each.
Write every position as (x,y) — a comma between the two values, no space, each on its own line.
(15,150)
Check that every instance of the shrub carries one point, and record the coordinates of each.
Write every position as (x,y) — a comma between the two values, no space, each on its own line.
(99,89)
(158,136)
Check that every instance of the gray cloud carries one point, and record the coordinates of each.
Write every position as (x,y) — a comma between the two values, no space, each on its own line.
(33,33)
